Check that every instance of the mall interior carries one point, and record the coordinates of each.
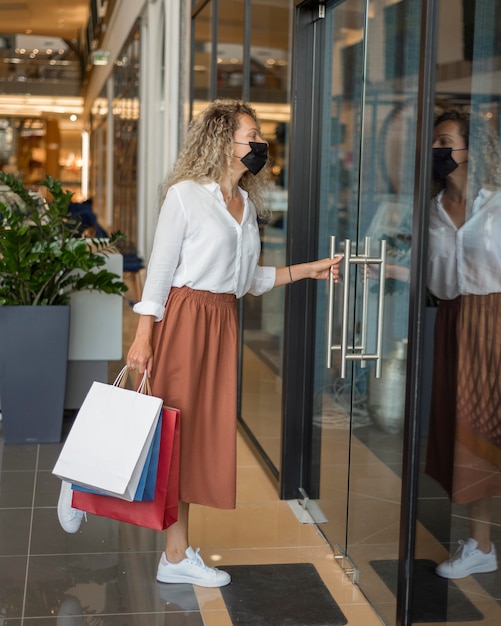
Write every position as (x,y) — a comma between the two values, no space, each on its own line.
(338,518)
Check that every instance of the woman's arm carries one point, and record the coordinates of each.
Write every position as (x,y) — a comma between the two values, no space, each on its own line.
(140,355)
(316,269)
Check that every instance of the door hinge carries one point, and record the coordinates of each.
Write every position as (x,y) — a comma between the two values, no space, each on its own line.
(317,11)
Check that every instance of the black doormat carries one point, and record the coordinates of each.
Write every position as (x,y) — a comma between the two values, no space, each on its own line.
(435,599)
(275,595)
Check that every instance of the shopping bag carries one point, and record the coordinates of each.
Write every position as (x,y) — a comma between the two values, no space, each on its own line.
(146,487)
(160,513)
(109,441)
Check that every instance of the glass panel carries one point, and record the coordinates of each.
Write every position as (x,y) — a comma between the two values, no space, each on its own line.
(386,203)
(336,398)
(368,152)
(264,317)
(125,125)
(230,37)
(98,161)
(270,51)
(460,480)
(202,32)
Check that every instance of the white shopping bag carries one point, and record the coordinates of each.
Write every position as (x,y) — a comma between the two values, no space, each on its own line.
(107,446)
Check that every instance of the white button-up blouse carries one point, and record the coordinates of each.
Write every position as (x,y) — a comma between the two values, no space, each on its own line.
(199,244)
(465,260)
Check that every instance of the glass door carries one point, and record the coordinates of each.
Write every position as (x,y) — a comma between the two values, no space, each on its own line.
(367,151)
(458,526)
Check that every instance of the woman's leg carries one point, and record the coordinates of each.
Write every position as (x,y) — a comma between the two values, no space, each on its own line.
(475,555)
(177,535)
(182,564)
(480,513)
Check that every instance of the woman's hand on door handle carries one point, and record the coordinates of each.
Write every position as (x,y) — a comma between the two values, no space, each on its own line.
(318,270)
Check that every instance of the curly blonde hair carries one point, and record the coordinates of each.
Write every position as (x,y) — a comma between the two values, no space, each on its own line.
(484,155)
(207,153)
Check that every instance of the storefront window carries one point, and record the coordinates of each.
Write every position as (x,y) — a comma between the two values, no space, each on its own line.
(98,157)
(125,128)
(230,37)
(270,51)
(264,317)
(201,62)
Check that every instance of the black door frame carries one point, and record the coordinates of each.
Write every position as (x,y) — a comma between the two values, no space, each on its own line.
(302,239)
(412,430)
(302,245)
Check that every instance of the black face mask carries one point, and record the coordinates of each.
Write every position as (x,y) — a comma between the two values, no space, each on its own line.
(443,163)
(256,159)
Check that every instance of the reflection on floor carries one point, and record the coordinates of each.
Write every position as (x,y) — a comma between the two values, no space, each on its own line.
(435,599)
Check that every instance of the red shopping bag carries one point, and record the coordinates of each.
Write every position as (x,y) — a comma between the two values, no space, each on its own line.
(162,511)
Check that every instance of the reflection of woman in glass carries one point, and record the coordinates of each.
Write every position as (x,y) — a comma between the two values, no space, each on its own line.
(464,273)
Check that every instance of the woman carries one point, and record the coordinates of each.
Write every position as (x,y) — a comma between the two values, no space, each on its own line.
(205,255)
(464,273)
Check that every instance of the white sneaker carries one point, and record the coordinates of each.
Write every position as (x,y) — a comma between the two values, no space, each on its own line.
(467,560)
(191,570)
(69,518)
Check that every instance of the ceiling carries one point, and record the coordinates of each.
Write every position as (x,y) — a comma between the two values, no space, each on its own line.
(58,18)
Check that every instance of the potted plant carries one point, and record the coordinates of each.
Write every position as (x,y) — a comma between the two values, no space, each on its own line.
(43,260)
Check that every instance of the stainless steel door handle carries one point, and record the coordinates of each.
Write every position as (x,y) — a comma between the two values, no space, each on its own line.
(346,306)
(357,352)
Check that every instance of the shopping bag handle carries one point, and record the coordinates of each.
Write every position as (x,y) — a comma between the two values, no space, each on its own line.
(121,380)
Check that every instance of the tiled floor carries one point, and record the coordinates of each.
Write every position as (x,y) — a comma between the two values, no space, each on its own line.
(105,574)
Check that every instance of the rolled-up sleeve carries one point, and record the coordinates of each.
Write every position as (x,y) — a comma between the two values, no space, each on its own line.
(263,280)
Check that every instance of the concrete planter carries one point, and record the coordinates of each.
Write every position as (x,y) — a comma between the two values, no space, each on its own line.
(33,363)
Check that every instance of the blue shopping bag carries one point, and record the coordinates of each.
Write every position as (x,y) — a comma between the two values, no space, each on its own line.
(145,491)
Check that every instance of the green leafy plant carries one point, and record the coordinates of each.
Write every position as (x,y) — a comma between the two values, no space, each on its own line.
(43,258)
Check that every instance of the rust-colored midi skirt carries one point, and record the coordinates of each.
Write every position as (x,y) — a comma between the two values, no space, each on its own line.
(195,370)
(464,443)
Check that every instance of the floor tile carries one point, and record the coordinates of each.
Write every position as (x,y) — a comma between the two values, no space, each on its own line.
(12,578)
(216,618)
(114,583)
(16,489)
(19,457)
(47,489)
(133,619)
(362,615)
(251,524)
(253,485)
(97,535)
(48,453)
(14,531)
